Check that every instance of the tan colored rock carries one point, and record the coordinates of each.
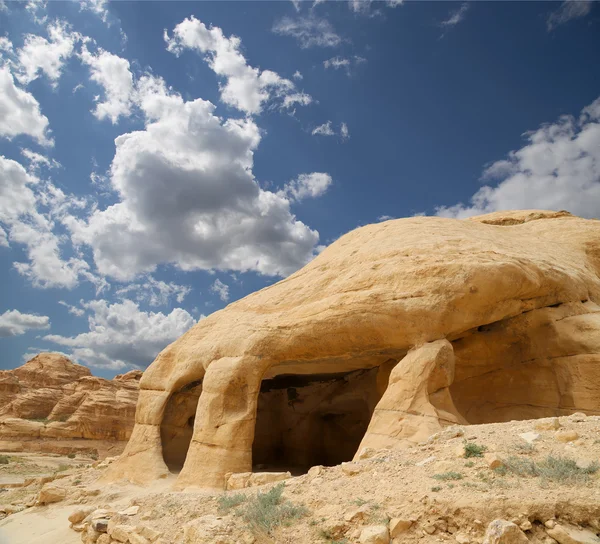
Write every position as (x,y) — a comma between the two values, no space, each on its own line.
(547,424)
(103,539)
(121,533)
(100,525)
(51,493)
(130,511)
(375,534)
(148,532)
(357,514)
(397,526)
(136,538)
(66,400)
(501,531)
(566,436)
(263,478)
(80,514)
(564,534)
(351,469)
(428,321)
(493,460)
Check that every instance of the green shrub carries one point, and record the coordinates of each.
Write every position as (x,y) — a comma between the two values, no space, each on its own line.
(71,455)
(4,459)
(436,488)
(227,502)
(448,476)
(552,469)
(269,510)
(474,450)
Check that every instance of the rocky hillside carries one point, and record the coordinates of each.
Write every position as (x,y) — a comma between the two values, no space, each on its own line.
(50,397)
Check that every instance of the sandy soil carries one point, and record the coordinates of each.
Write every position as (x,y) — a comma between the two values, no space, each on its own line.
(443,495)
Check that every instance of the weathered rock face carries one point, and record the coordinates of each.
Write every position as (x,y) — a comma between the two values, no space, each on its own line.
(51,397)
(487,319)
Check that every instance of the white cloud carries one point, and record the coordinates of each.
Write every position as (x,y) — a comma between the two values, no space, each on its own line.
(98,7)
(568,10)
(221,289)
(156,292)
(384,218)
(3,238)
(326,129)
(347,64)
(37,160)
(344,131)
(39,55)
(121,335)
(245,88)
(37,10)
(74,310)
(455,17)
(20,214)
(20,111)
(113,73)
(309,31)
(14,323)
(188,197)
(323,130)
(307,186)
(296,4)
(298,76)
(558,169)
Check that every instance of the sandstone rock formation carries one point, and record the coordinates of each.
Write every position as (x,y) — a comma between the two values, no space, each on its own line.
(394,331)
(50,397)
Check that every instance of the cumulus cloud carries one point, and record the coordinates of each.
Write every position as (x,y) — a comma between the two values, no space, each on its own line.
(364,6)
(156,292)
(14,323)
(22,201)
(221,289)
(48,56)
(309,31)
(558,169)
(245,88)
(113,74)
(298,76)
(121,335)
(344,131)
(187,196)
(20,111)
(568,10)
(307,186)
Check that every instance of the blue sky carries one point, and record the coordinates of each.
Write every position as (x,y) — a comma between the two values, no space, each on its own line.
(159,160)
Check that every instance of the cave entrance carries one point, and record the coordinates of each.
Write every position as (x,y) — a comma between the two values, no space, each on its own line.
(177,427)
(315,419)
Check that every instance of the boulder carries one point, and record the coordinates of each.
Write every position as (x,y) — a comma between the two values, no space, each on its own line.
(501,531)
(565,534)
(566,436)
(51,493)
(79,515)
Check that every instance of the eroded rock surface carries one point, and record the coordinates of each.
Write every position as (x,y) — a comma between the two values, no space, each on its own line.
(461,321)
(50,397)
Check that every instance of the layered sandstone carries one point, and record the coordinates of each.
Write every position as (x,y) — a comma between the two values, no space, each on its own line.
(50,397)
(455,321)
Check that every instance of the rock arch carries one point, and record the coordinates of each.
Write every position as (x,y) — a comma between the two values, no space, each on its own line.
(466,307)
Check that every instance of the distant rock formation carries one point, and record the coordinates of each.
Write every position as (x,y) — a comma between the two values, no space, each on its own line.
(50,397)
(394,331)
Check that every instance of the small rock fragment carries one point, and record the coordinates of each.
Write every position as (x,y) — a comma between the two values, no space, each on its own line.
(547,424)
(462,538)
(398,526)
(501,531)
(51,493)
(577,417)
(100,525)
(375,534)
(530,437)
(79,515)
(566,436)
(493,460)
(351,469)
(131,511)
(425,461)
